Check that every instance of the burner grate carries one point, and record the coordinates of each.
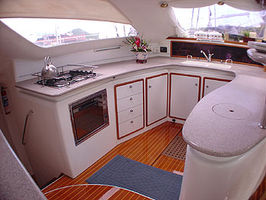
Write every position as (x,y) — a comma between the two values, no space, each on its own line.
(67,78)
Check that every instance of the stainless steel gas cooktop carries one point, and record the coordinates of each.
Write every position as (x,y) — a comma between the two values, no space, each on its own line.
(67,78)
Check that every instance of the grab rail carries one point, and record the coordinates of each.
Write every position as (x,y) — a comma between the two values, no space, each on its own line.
(25,126)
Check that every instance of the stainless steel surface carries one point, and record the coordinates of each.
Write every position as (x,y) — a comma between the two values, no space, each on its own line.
(25,126)
(209,57)
(189,56)
(108,48)
(49,70)
(227,60)
(64,79)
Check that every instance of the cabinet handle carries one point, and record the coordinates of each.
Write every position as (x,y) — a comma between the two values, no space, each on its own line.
(131,110)
(149,86)
(131,122)
(131,99)
(207,86)
(130,86)
(196,84)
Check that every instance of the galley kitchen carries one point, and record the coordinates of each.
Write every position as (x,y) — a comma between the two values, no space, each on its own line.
(123,99)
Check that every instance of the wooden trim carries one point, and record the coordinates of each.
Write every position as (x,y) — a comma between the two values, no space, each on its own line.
(171,49)
(180,38)
(180,74)
(119,138)
(146,82)
(240,45)
(208,42)
(116,107)
(178,118)
(211,78)
(74,128)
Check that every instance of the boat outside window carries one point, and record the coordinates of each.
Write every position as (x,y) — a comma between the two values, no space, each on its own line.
(223,19)
(54,32)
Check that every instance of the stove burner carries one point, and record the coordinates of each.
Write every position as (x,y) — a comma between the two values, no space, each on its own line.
(79,72)
(66,79)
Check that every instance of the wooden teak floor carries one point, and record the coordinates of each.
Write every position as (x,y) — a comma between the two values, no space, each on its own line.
(145,148)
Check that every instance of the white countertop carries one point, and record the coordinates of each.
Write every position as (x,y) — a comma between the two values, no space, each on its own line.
(223,123)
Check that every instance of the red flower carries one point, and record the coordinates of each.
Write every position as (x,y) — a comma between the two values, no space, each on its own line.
(137,42)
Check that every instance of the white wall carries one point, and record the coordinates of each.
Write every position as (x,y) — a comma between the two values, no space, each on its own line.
(25,67)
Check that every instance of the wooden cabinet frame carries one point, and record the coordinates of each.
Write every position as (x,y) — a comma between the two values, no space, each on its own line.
(179,74)
(116,107)
(211,78)
(167,100)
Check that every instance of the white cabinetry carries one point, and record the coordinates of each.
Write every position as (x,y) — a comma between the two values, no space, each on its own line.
(184,94)
(210,84)
(156,98)
(129,107)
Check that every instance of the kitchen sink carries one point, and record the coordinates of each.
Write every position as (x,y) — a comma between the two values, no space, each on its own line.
(206,64)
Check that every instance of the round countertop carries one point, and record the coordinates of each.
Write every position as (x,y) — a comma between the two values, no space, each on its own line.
(225,122)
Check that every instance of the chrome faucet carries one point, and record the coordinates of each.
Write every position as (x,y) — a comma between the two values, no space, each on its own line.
(228,60)
(209,58)
(262,123)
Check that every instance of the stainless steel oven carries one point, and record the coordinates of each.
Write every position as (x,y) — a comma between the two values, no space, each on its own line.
(89,115)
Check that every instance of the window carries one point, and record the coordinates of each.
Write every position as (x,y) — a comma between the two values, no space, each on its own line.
(54,32)
(222,19)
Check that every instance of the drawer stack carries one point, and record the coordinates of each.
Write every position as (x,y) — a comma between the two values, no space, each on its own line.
(129,107)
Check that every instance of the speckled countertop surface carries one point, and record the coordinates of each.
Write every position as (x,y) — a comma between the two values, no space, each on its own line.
(224,123)
(16,183)
(124,67)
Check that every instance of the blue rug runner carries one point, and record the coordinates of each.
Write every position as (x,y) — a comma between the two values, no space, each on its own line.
(144,179)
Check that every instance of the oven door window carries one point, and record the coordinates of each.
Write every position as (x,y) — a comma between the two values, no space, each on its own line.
(89,115)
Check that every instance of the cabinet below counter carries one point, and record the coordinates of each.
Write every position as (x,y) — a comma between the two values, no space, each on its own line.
(177,88)
(129,107)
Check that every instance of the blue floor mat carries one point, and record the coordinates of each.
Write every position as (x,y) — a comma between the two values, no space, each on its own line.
(144,179)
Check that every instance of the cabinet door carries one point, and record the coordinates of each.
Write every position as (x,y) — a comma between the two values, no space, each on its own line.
(157,92)
(184,94)
(210,84)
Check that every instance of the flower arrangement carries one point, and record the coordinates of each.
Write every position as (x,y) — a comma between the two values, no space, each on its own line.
(138,44)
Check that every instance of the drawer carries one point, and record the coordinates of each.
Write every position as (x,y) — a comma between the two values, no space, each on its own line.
(129,89)
(129,102)
(130,113)
(130,126)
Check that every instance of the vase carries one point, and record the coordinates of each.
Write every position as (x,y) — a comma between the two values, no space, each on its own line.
(141,57)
